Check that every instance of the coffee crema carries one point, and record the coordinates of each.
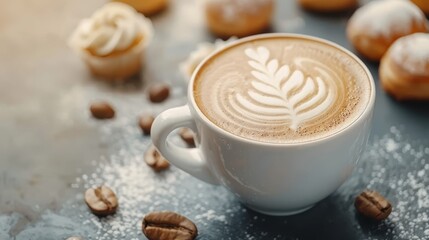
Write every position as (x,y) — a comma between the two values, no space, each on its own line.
(282,89)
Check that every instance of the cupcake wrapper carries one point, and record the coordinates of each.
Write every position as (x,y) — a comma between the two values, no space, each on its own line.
(120,66)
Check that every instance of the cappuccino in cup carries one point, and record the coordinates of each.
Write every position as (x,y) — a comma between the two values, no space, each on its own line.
(281,120)
(282,90)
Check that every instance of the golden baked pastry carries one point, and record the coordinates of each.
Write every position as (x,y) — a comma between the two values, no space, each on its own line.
(423,5)
(375,26)
(112,41)
(226,18)
(404,69)
(147,7)
(328,5)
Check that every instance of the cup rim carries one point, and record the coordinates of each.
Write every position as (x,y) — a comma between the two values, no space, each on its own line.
(363,115)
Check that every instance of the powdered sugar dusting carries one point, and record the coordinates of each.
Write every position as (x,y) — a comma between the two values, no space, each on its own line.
(210,215)
(141,190)
(412,53)
(393,166)
(391,145)
(382,17)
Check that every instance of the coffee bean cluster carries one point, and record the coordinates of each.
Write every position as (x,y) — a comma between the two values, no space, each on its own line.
(157,93)
(102,201)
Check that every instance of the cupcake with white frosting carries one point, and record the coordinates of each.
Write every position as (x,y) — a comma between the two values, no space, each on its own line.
(112,41)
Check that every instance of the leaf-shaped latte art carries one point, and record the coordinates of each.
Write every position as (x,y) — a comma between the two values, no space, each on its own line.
(278,93)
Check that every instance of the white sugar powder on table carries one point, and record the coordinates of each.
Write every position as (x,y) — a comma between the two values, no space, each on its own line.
(392,165)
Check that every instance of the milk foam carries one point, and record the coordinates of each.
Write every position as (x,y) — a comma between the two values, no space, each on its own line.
(281,90)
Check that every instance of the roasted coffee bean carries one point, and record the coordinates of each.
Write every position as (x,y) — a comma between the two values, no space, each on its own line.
(102,110)
(159,92)
(371,204)
(155,160)
(168,225)
(74,238)
(145,123)
(187,135)
(101,201)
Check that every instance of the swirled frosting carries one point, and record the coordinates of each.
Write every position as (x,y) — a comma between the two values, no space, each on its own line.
(203,50)
(281,90)
(114,28)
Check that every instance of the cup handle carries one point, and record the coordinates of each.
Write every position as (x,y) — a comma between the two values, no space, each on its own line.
(189,160)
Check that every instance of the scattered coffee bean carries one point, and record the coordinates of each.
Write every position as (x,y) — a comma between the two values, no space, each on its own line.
(101,201)
(187,135)
(102,110)
(168,225)
(155,160)
(74,238)
(371,204)
(145,123)
(159,92)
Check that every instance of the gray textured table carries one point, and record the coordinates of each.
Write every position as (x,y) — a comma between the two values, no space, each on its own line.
(51,149)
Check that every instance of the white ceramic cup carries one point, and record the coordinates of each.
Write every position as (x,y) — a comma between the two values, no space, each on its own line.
(275,179)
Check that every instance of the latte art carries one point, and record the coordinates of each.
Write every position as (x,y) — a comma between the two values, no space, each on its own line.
(281,90)
(281,94)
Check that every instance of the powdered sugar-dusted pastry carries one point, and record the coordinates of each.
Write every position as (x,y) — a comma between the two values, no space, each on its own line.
(422,4)
(226,18)
(198,55)
(112,41)
(328,5)
(147,7)
(404,69)
(375,26)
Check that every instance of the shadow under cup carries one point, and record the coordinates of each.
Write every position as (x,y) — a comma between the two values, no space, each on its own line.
(271,178)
